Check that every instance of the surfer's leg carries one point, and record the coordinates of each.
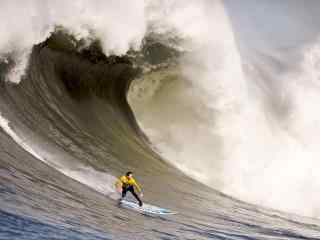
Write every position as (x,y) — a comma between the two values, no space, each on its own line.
(124,192)
(131,189)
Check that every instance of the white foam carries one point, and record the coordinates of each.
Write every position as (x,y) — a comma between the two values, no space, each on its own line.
(4,124)
(97,180)
(246,122)
(119,24)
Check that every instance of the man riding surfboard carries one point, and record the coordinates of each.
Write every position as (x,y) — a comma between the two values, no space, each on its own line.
(127,183)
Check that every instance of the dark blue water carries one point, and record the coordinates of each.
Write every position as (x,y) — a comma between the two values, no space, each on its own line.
(18,227)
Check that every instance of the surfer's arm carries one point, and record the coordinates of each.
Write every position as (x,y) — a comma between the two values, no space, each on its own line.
(118,183)
(137,186)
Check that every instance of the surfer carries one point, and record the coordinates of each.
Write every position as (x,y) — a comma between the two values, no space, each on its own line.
(127,183)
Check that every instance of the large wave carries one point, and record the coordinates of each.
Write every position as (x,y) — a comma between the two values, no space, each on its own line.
(239,113)
(231,102)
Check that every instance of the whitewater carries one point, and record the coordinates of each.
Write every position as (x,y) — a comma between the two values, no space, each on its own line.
(212,105)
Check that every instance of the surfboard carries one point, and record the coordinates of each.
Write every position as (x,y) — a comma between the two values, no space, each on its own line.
(146,208)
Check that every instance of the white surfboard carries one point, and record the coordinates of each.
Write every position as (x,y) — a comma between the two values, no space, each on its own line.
(146,208)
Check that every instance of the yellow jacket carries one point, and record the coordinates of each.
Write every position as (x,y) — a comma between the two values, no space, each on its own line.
(125,181)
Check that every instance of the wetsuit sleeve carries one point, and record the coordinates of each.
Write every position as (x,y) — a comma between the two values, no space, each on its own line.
(137,186)
(118,183)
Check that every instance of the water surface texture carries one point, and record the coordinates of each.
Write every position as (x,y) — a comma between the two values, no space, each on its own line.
(212,104)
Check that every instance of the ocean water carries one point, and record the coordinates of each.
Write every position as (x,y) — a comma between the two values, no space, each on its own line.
(212,105)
